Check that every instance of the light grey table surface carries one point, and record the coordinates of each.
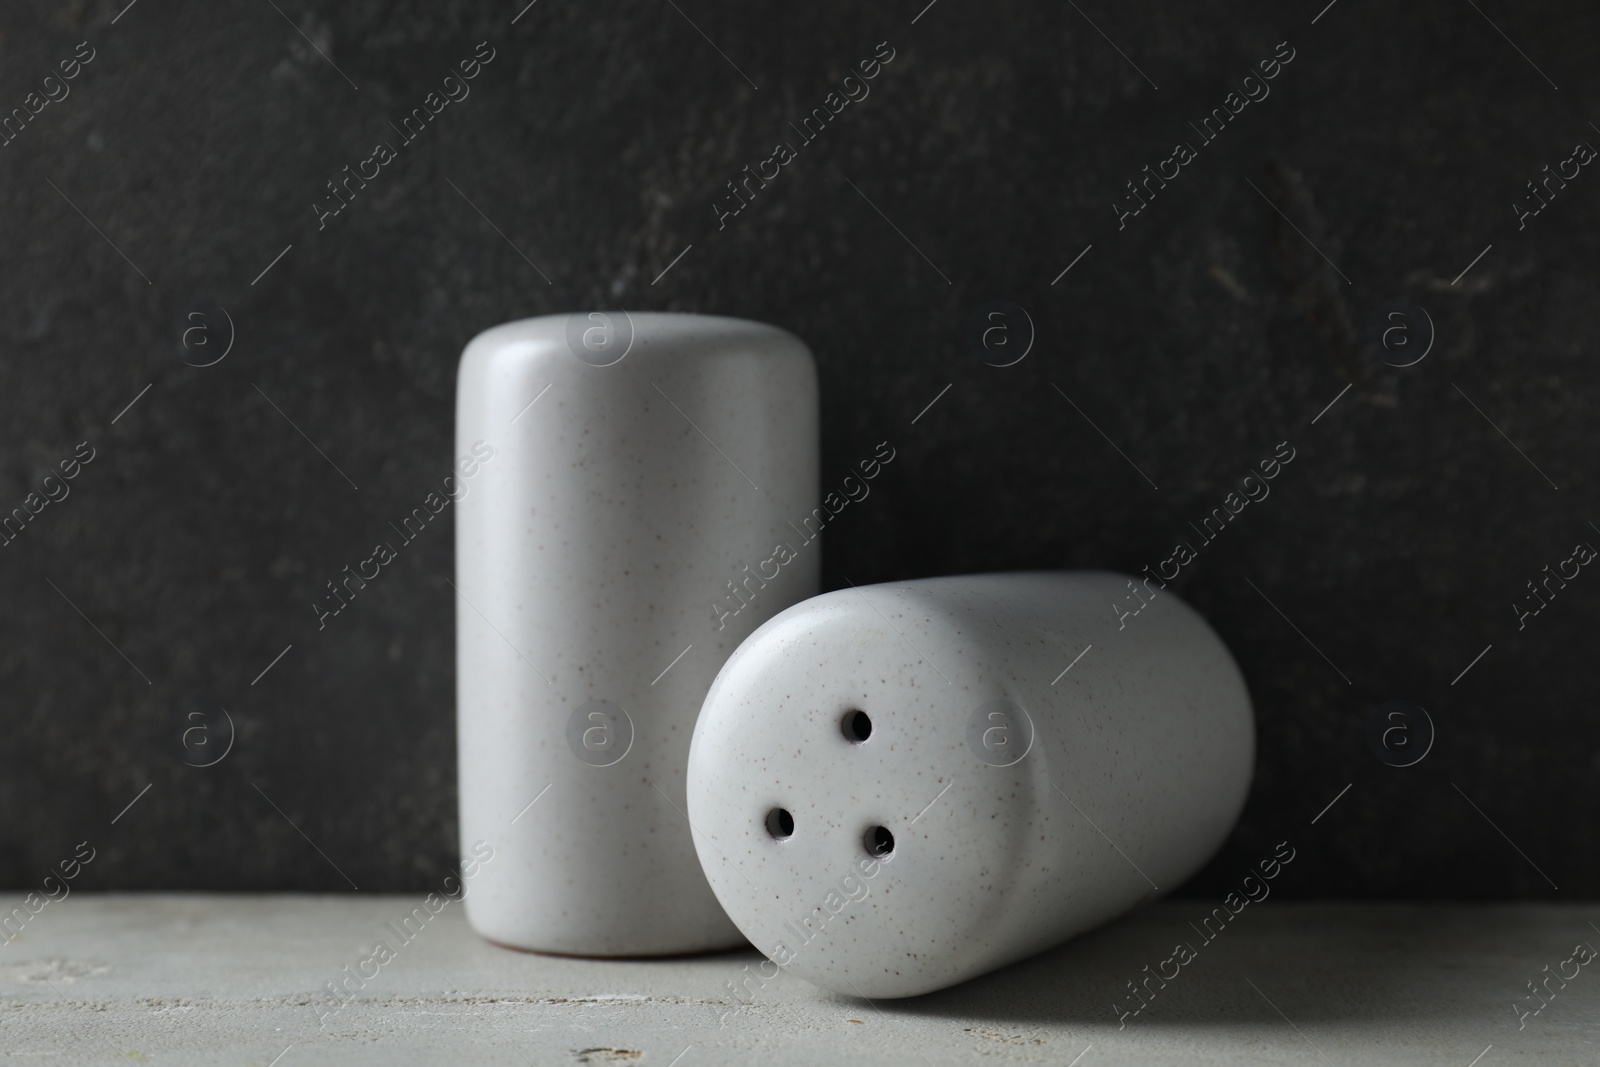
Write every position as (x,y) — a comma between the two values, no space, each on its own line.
(197,979)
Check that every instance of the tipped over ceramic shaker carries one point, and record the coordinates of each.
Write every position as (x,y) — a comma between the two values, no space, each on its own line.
(899,787)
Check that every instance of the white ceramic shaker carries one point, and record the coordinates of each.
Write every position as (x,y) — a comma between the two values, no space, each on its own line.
(899,787)
(611,553)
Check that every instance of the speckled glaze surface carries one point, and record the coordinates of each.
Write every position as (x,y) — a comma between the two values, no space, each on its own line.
(628,487)
(1034,786)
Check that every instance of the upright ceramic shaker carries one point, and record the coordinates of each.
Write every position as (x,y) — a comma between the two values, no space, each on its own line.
(616,548)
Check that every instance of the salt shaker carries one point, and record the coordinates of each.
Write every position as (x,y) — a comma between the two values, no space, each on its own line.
(898,787)
(619,542)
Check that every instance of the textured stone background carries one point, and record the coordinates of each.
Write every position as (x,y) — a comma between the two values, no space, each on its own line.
(1197,338)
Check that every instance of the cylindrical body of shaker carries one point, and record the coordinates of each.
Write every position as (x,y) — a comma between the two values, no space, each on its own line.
(611,553)
(899,787)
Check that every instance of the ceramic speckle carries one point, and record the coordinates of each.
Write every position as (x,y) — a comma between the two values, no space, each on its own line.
(1001,778)
(639,462)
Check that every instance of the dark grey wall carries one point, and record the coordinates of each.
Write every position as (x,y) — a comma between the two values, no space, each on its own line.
(1212,326)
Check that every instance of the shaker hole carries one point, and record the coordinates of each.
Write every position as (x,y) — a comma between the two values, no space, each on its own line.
(857,725)
(780,824)
(878,841)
